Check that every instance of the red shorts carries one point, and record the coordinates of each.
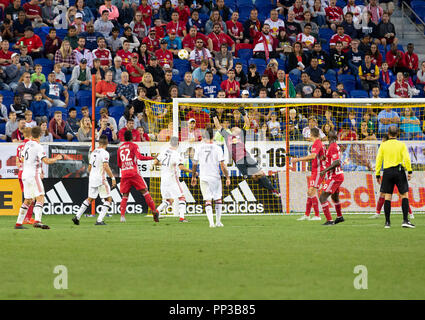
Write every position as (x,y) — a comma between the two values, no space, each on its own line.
(21,184)
(332,185)
(315,180)
(136,181)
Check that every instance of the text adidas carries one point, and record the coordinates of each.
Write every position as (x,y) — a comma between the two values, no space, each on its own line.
(241,207)
(61,208)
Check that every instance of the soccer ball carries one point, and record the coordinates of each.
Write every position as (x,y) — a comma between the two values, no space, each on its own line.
(183,54)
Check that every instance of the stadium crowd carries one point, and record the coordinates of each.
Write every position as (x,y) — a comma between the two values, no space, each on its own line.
(50,50)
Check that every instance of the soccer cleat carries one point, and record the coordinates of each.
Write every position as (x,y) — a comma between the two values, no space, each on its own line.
(122,219)
(329,223)
(407,224)
(155,216)
(41,226)
(212,225)
(276,194)
(316,218)
(101,223)
(304,217)
(339,219)
(76,221)
(375,216)
(30,221)
(411,216)
(219,224)
(387,225)
(183,220)
(20,227)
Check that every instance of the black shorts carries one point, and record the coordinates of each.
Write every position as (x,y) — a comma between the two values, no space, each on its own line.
(248,166)
(395,176)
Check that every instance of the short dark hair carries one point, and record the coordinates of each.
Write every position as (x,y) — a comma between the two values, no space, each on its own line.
(35,132)
(393,131)
(103,139)
(128,136)
(50,30)
(72,27)
(174,141)
(315,132)
(209,133)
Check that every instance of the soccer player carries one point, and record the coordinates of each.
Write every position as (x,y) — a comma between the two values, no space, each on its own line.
(335,177)
(243,160)
(171,161)
(33,155)
(19,160)
(317,157)
(128,153)
(98,185)
(210,159)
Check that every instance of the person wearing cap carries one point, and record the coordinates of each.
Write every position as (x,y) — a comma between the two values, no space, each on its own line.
(151,41)
(164,56)
(33,11)
(174,43)
(135,70)
(190,133)
(245,94)
(32,42)
(14,72)
(103,54)
(199,91)
(177,25)
(82,53)
(80,78)
(113,10)
(130,37)
(189,41)
(79,23)
(155,69)
(103,24)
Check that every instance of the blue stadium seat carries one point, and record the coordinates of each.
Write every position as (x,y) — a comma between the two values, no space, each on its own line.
(7,98)
(116,111)
(245,54)
(3,128)
(61,33)
(325,33)
(281,64)
(245,3)
(46,64)
(232,4)
(71,100)
(84,98)
(348,80)
(359,2)
(182,65)
(359,94)
(295,80)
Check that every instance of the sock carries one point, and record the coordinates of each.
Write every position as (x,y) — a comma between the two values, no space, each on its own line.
(22,214)
(149,201)
(387,210)
(218,207)
(405,207)
(338,209)
(308,206)
(123,206)
(105,208)
(315,202)
(326,212)
(265,182)
(209,211)
(182,208)
(29,212)
(379,205)
(37,211)
(83,209)
(164,205)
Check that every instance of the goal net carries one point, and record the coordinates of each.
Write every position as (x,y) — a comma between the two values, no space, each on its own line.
(278,128)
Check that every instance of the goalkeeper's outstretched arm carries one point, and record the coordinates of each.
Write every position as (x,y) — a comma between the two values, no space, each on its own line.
(216,122)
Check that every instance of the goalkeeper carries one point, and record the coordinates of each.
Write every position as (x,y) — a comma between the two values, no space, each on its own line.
(235,142)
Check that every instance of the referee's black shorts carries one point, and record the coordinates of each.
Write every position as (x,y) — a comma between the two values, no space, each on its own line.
(394,176)
(248,166)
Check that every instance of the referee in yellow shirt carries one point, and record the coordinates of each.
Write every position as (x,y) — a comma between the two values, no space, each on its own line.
(396,159)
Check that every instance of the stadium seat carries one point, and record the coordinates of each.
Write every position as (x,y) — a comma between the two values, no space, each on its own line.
(116,110)
(46,64)
(359,94)
(71,100)
(341,3)
(7,98)
(84,98)
(3,128)
(245,54)
(281,64)
(348,80)
(181,65)
(325,34)
(61,33)
(232,4)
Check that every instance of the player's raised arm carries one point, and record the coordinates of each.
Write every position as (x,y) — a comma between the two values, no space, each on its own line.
(334,164)
(225,172)
(142,157)
(247,123)
(213,115)
(52,160)
(183,168)
(310,157)
(109,173)
(194,168)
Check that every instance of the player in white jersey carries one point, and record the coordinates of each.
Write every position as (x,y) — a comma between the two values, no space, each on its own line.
(33,156)
(210,159)
(171,162)
(98,185)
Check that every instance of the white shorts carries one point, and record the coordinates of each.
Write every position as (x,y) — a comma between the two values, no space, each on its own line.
(211,189)
(33,187)
(171,189)
(103,191)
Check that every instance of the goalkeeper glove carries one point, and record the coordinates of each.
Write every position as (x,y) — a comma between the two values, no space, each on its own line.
(242,111)
(213,113)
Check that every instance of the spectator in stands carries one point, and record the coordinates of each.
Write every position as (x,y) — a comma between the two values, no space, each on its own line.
(274,127)
(334,15)
(254,78)
(131,38)
(11,125)
(305,88)
(297,60)
(323,60)
(26,88)
(165,57)
(111,9)
(315,73)
(34,14)
(39,107)
(29,122)
(32,42)
(183,10)
(79,24)
(65,56)
(318,13)
(293,28)
(12,10)
(264,44)
(14,72)
(200,53)
(103,54)
(117,69)
(314,27)
(355,11)
(385,31)
(365,133)
(340,91)
(3,111)
(59,75)
(91,36)
(198,75)
(82,53)
(165,84)
(386,119)
(298,8)
(280,84)
(350,29)
(25,59)
(312,123)
(105,129)
(375,93)
(223,60)
(375,10)
(174,43)
(201,117)
(146,12)
(340,36)
(194,21)
(173,92)
(326,90)
(215,18)
(354,57)
(306,39)
(105,92)
(264,84)
(420,82)
(155,69)
(38,78)
(351,120)
(139,27)
(57,126)
(294,125)
(339,60)
(125,53)
(45,135)
(326,128)
(165,11)
(84,11)
(129,114)
(72,37)
(400,88)
(97,70)
(368,73)
(274,22)
(135,70)
(18,134)
(150,86)
(176,24)
(347,133)
(217,38)
(251,25)
(240,75)
(20,24)
(376,56)
(410,125)
(52,44)
(235,29)
(411,60)
(367,27)
(85,131)
(110,120)
(125,90)
(103,24)
(72,124)
(130,127)
(210,87)
(52,92)
(328,118)
(191,133)
(187,87)
(5,54)
(230,85)
(81,77)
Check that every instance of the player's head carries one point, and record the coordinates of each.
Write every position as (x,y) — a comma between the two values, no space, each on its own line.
(174,141)
(384,137)
(332,135)
(209,133)
(103,140)
(128,136)
(35,132)
(314,132)
(27,133)
(235,131)
(392,132)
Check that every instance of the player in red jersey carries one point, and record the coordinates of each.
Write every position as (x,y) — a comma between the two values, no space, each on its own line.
(128,153)
(316,157)
(27,136)
(335,177)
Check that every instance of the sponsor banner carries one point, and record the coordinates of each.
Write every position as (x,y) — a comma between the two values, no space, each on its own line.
(10,197)
(8,168)
(358,194)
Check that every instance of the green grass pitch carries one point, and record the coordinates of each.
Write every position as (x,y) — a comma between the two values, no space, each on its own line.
(252,257)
